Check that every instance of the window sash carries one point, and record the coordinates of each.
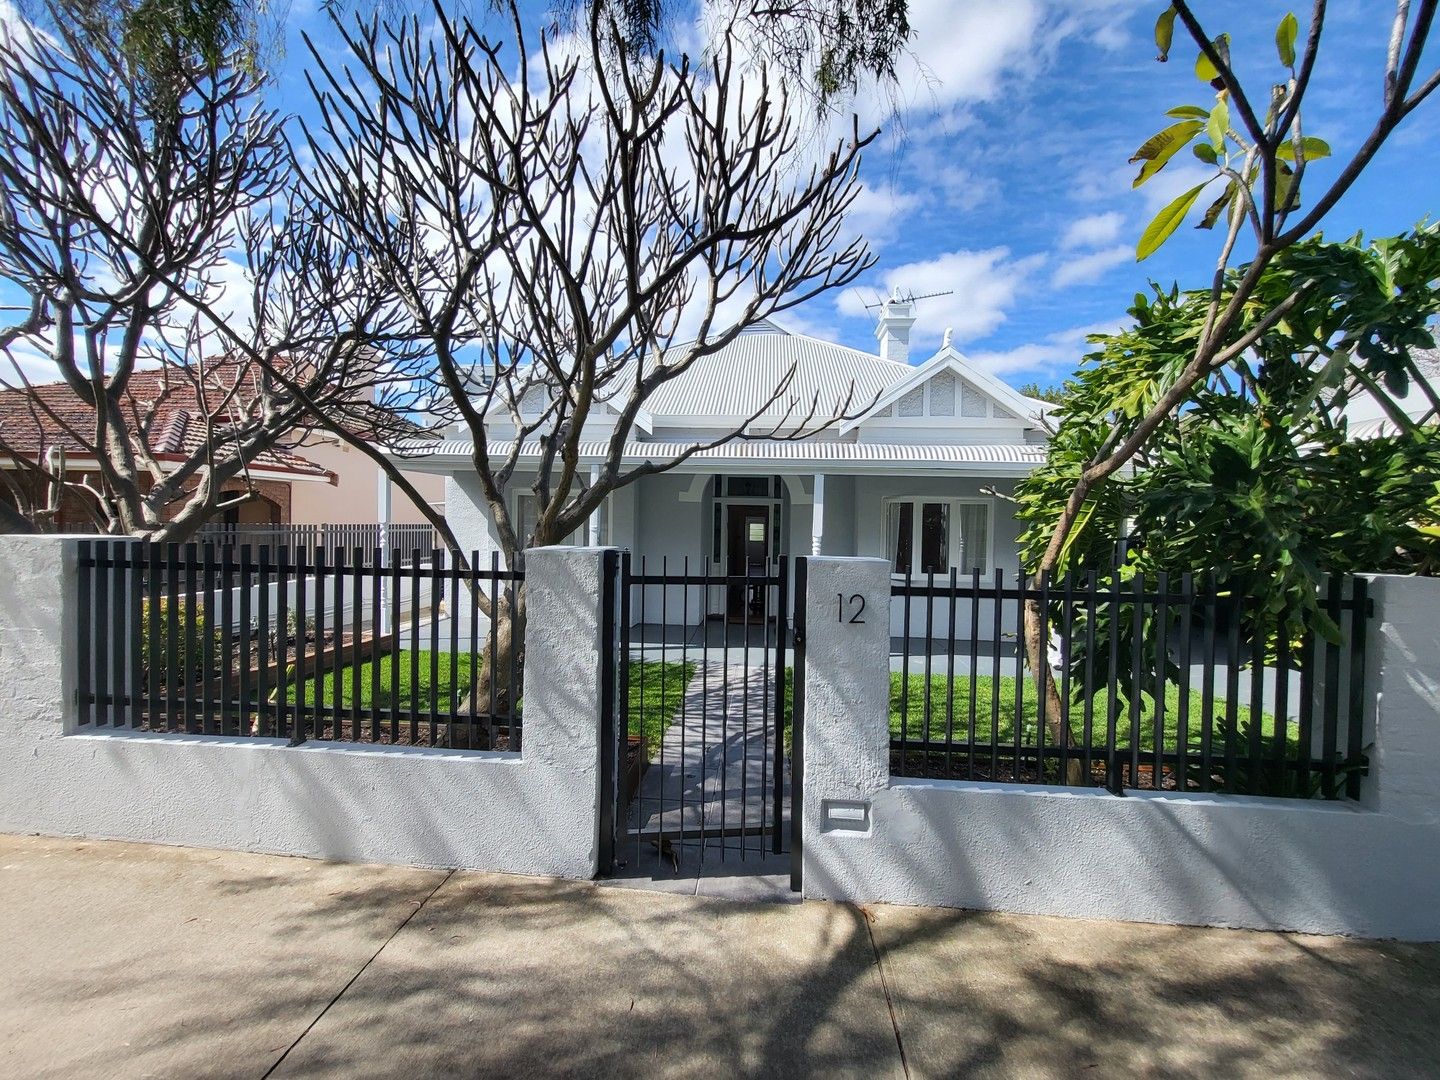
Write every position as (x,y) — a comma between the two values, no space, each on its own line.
(948,532)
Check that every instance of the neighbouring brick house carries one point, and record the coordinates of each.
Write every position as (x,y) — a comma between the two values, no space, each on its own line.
(48,424)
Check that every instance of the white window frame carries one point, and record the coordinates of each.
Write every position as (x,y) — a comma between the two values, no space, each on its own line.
(953,551)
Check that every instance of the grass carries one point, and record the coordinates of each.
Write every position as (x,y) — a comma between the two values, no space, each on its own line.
(453,671)
(650,712)
(657,691)
(911,707)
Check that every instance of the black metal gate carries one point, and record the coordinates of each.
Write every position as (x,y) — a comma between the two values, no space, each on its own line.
(702,729)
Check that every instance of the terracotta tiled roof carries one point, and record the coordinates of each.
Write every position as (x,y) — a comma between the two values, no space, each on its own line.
(168,407)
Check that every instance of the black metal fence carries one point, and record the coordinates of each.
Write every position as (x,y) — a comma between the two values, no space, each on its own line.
(398,542)
(701,745)
(1162,684)
(296,644)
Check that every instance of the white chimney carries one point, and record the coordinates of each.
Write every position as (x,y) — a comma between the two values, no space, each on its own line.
(893,333)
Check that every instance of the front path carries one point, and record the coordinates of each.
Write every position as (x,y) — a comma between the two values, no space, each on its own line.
(122,960)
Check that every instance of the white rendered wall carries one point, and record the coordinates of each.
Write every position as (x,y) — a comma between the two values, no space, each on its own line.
(534,812)
(1371,870)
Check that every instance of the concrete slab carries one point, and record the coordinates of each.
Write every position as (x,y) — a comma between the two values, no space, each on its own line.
(983,994)
(125,960)
(514,977)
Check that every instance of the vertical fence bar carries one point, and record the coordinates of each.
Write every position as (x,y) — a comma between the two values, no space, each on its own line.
(228,705)
(156,644)
(904,671)
(925,702)
(797,719)
(397,585)
(472,700)
(1330,733)
(1162,661)
(1255,766)
(777,811)
(1021,580)
(263,654)
(454,697)
(1112,703)
(414,647)
(336,550)
(316,668)
(116,638)
(246,575)
(1232,685)
(282,644)
(304,710)
(1182,712)
(84,630)
(188,664)
(1067,631)
(104,636)
(1137,664)
(611,734)
(1087,720)
(1355,718)
(206,611)
(999,620)
(174,705)
(952,601)
(1207,693)
(495,648)
(358,655)
(1040,695)
(135,631)
(437,570)
(378,647)
(974,670)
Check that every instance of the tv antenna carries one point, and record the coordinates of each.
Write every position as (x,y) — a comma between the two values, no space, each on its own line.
(908,297)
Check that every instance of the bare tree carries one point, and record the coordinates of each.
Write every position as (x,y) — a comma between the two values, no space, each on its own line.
(1259,147)
(569,228)
(119,222)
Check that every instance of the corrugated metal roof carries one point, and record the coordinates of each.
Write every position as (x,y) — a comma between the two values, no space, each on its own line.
(737,380)
(759,451)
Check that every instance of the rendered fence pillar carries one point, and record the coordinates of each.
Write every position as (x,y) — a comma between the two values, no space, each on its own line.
(38,650)
(562,701)
(1403,685)
(847,732)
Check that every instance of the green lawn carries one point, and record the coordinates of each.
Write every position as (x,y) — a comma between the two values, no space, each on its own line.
(912,707)
(656,688)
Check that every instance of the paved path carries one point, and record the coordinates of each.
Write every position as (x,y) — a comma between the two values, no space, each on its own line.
(714,770)
(122,960)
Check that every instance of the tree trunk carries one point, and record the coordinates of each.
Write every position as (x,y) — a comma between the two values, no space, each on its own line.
(1037,652)
(493,702)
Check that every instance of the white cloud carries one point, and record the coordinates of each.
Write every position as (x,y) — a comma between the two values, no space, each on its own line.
(879,210)
(1088,269)
(1093,230)
(982,286)
(1053,357)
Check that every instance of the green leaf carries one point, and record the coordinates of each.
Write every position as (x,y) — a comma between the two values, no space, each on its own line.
(1205,71)
(1188,112)
(1314,149)
(1285,35)
(1219,124)
(1165,32)
(1286,196)
(1206,153)
(1215,209)
(1161,147)
(1166,222)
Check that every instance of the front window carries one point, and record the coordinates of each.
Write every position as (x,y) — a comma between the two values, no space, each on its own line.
(929,536)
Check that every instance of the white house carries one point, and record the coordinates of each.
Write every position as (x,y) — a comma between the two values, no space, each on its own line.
(1368,419)
(917,472)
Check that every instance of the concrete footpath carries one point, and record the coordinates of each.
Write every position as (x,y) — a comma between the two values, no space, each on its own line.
(122,960)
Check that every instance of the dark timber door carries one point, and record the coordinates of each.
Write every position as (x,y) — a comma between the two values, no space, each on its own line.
(747,547)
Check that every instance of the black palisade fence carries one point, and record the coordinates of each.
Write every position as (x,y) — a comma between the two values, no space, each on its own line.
(1166,683)
(293,643)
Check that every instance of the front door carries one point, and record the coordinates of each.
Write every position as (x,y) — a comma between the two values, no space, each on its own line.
(747,548)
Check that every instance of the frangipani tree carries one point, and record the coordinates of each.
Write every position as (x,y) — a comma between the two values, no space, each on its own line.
(1259,148)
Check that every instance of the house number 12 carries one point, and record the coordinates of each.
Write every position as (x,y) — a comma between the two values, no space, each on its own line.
(857,608)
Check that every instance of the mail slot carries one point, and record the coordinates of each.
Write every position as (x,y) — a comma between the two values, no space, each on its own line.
(844,815)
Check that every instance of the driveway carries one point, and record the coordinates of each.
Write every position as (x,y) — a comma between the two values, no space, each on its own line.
(121,960)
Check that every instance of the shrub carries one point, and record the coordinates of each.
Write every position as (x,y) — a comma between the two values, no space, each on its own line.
(175,656)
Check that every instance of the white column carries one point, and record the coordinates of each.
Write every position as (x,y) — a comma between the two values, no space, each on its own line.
(817,517)
(383,497)
(595,517)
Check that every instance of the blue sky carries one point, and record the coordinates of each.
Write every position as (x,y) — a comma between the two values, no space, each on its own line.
(1003,176)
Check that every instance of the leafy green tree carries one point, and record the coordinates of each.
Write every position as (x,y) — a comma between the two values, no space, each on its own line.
(1052,394)
(1259,154)
(1256,483)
